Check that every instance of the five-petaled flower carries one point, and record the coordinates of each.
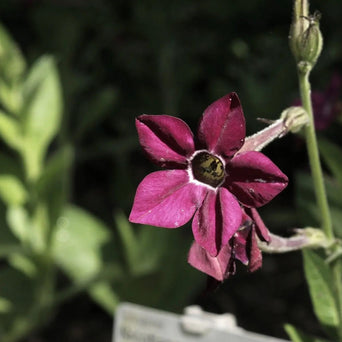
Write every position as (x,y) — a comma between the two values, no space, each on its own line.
(207,178)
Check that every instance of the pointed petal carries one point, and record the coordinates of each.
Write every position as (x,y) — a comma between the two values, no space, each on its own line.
(167,140)
(216,267)
(260,228)
(222,127)
(240,245)
(255,256)
(166,199)
(254,179)
(216,221)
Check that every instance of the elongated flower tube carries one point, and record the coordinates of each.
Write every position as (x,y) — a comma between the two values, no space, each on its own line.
(208,179)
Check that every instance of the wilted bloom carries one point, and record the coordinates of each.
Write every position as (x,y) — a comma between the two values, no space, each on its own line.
(243,246)
(208,179)
(325,104)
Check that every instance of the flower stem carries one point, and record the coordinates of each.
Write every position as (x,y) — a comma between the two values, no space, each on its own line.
(312,147)
(317,175)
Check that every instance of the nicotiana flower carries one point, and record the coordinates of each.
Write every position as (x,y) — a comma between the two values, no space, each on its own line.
(243,246)
(207,178)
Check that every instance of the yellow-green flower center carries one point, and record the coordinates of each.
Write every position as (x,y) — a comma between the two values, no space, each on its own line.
(208,169)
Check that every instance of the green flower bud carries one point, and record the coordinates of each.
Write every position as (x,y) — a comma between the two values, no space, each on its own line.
(306,40)
(294,118)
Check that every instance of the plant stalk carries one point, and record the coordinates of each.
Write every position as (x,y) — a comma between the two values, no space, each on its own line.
(318,180)
(313,153)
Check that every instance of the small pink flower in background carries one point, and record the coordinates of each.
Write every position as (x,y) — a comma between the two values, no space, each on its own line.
(325,104)
(207,178)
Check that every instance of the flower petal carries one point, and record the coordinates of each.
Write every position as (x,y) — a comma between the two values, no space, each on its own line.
(217,267)
(166,199)
(222,127)
(260,228)
(255,256)
(216,221)
(167,140)
(240,245)
(254,179)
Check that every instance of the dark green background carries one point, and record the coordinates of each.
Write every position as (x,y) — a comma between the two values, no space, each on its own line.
(119,59)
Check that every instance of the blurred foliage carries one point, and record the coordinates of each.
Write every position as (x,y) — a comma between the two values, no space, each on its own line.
(70,158)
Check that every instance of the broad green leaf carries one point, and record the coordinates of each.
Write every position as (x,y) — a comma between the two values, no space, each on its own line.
(11,97)
(43,110)
(332,156)
(10,131)
(298,336)
(78,244)
(30,230)
(19,223)
(12,191)
(12,63)
(319,278)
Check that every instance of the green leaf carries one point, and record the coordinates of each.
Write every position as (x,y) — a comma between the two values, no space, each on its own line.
(18,291)
(143,251)
(78,244)
(52,186)
(12,63)
(103,294)
(11,97)
(12,191)
(10,131)
(5,305)
(23,263)
(320,281)
(298,336)
(29,230)
(18,222)
(43,110)
(332,156)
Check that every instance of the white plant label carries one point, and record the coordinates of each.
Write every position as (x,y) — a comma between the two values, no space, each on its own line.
(134,323)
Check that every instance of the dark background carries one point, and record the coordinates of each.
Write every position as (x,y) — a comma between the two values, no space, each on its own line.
(119,59)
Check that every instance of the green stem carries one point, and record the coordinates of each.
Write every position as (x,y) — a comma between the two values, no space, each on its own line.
(312,147)
(318,180)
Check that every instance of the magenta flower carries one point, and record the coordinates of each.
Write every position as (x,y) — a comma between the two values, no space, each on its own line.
(243,246)
(208,179)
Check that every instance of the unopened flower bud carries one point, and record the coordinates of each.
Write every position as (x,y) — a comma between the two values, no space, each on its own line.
(294,118)
(306,40)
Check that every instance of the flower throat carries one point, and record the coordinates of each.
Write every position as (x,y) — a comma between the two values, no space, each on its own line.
(208,169)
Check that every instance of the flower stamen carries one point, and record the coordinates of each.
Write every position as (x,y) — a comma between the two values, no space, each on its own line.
(208,169)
